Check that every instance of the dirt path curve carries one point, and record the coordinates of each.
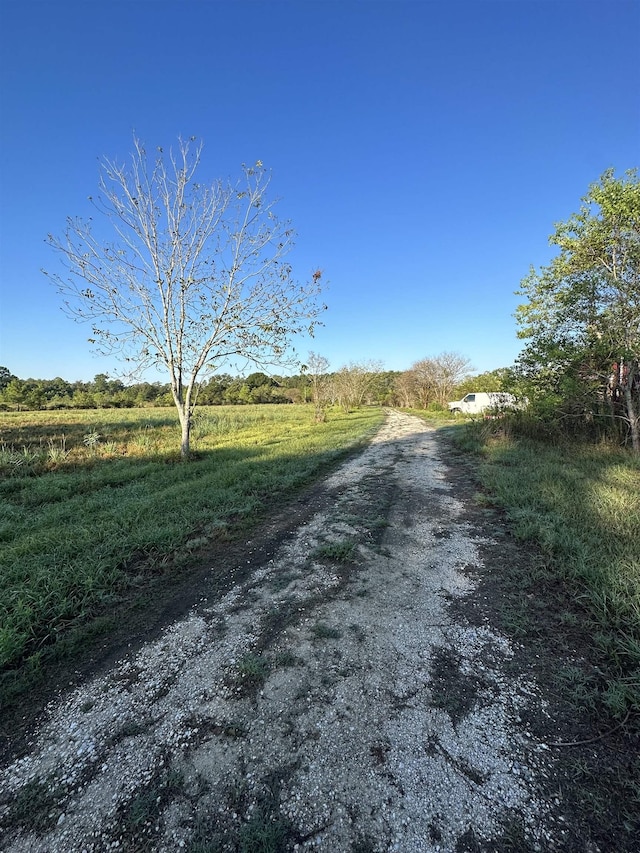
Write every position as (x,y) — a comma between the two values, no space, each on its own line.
(329,702)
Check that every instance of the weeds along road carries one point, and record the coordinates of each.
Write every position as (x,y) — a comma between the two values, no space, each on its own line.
(335,700)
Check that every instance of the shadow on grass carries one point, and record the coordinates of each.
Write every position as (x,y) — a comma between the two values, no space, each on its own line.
(77,543)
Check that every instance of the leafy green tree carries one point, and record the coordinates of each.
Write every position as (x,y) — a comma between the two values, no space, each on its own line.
(233,392)
(142,393)
(256,380)
(502,379)
(212,392)
(382,389)
(194,274)
(15,393)
(5,377)
(296,388)
(57,387)
(582,314)
(83,400)
(24,394)
(268,393)
(101,383)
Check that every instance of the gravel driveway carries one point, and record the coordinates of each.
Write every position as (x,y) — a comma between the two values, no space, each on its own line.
(331,701)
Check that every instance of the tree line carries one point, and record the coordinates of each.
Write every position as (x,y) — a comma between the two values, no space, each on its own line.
(104,392)
(429,383)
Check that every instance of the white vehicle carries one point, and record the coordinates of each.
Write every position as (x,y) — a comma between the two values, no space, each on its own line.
(475,404)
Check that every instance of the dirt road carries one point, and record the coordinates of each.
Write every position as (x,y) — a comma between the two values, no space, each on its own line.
(335,700)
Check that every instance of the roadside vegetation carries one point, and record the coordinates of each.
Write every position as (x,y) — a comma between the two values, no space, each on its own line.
(571,605)
(566,466)
(565,471)
(580,504)
(96,507)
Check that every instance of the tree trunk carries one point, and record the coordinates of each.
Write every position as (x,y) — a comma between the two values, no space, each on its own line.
(184,416)
(182,400)
(632,414)
(634,420)
(185,423)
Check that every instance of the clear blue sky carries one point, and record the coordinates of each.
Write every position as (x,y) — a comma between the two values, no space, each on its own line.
(423,150)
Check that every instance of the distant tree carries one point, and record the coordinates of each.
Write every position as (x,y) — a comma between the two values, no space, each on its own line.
(196,273)
(24,394)
(267,393)
(450,369)
(316,369)
(582,314)
(421,379)
(83,400)
(501,379)
(233,393)
(258,388)
(405,390)
(143,393)
(57,387)
(101,383)
(257,380)
(383,390)
(15,393)
(433,379)
(212,393)
(295,388)
(352,382)
(5,377)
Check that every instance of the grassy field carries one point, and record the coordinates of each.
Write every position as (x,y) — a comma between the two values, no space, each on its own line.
(581,505)
(94,503)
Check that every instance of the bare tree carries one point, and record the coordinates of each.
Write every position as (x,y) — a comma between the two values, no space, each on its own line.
(404,388)
(422,375)
(450,368)
(316,368)
(433,379)
(194,275)
(352,382)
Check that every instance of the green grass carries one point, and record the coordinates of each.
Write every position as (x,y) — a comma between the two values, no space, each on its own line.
(36,807)
(581,504)
(254,668)
(81,530)
(345,551)
(263,833)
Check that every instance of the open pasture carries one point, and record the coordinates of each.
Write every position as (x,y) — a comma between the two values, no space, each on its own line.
(94,503)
